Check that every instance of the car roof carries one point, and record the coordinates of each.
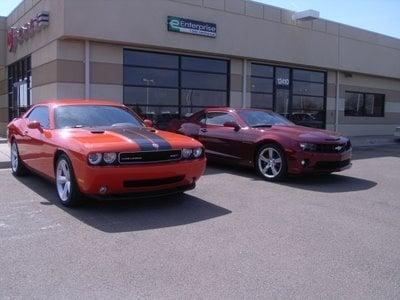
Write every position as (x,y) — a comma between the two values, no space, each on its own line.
(62,102)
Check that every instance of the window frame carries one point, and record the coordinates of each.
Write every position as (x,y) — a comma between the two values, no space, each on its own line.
(48,115)
(290,87)
(218,112)
(180,106)
(382,115)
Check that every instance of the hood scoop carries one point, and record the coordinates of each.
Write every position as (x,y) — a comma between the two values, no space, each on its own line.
(97,131)
(332,139)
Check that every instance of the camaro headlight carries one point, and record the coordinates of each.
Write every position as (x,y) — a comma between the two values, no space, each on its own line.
(186,153)
(197,152)
(95,158)
(109,157)
(308,147)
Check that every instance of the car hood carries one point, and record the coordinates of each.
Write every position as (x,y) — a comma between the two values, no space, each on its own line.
(126,138)
(307,134)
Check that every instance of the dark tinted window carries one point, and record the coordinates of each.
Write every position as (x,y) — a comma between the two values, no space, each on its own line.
(150,59)
(308,76)
(262,101)
(150,77)
(204,81)
(93,115)
(40,114)
(204,64)
(364,104)
(150,96)
(203,98)
(308,88)
(262,71)
(261,85)
(219,118)
(305,103)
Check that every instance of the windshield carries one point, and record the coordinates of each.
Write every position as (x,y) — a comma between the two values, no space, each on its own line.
(75,116)
(260,118)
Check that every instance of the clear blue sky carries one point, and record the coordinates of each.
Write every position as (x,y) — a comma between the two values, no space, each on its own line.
(381,16)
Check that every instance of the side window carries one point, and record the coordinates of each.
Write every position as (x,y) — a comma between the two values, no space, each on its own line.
(219,118)
(40,114)
(202,119)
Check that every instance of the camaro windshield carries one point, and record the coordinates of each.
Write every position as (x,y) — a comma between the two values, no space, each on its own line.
(75,116)
(259,118)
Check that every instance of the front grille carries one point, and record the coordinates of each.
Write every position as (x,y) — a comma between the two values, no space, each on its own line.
(333,148)
(152,182)
(149,156)
(331,165)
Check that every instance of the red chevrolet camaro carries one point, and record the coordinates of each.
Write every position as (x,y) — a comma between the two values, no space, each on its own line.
(102,149)
(266,141)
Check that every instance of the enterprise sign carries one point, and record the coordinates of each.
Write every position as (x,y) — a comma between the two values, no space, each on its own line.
(177,24)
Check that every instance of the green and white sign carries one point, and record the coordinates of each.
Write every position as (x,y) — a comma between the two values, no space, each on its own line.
(177,24)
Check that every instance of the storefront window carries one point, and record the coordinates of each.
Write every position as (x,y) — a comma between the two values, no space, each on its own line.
(163,87)
(19,87)
(297,94)
(364,104)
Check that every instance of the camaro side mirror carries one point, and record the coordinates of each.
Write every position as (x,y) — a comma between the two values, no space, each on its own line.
(34,125)
(233,125)
(148,123)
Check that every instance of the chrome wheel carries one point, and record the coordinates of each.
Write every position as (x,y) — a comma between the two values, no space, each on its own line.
(270,162)
(14,157)
(63,180)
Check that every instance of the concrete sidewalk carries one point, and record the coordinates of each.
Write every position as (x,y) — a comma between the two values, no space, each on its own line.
(4,154)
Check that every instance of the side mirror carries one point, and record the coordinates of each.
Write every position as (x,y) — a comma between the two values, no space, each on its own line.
(233,125)
(148,123)
(34,125)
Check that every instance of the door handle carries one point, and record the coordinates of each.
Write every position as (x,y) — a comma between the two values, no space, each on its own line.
(203,130)
(25,132)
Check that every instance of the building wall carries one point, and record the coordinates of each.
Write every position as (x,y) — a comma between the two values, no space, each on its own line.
(3,78)
(245,29)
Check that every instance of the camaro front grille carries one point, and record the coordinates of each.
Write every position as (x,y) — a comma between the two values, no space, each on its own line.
(331,165)
(333,148)
(152,182)
(149,156)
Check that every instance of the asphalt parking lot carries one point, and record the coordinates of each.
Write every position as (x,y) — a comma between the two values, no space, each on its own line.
(235,236)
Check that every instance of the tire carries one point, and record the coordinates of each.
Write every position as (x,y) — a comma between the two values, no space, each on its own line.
(66,187)
(271,163)
(17,166)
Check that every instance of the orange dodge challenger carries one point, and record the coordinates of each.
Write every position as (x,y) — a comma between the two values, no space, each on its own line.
(102,149)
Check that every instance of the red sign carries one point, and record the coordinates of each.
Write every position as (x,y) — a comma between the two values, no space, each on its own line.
(18,35)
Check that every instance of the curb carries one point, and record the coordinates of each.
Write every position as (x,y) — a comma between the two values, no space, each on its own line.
(4,165)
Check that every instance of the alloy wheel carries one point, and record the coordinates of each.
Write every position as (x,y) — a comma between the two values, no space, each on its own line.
(14,157)
(270,162)
(63,180)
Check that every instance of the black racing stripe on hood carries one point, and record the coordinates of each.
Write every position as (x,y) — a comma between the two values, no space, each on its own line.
(147,141)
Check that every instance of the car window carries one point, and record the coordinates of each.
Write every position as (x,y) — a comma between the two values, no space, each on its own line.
(40,114)
(260,118)
(70,116)
(219,118)
(202,119)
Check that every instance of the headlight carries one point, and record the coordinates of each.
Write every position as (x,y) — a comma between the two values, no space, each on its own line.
(95,158)
(197,152)
(186,153)
(308,147)
(109,157)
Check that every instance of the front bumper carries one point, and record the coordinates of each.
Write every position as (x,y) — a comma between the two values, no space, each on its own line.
(312,162)
(139,179)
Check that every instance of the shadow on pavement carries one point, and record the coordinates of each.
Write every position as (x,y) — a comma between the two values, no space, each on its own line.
(133,215)
(330,183)
(376,151)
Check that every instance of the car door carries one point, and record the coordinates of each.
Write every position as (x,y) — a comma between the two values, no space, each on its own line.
(34,148)
(220,141)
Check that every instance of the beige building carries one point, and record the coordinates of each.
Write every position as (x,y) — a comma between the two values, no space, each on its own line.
(169,58)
